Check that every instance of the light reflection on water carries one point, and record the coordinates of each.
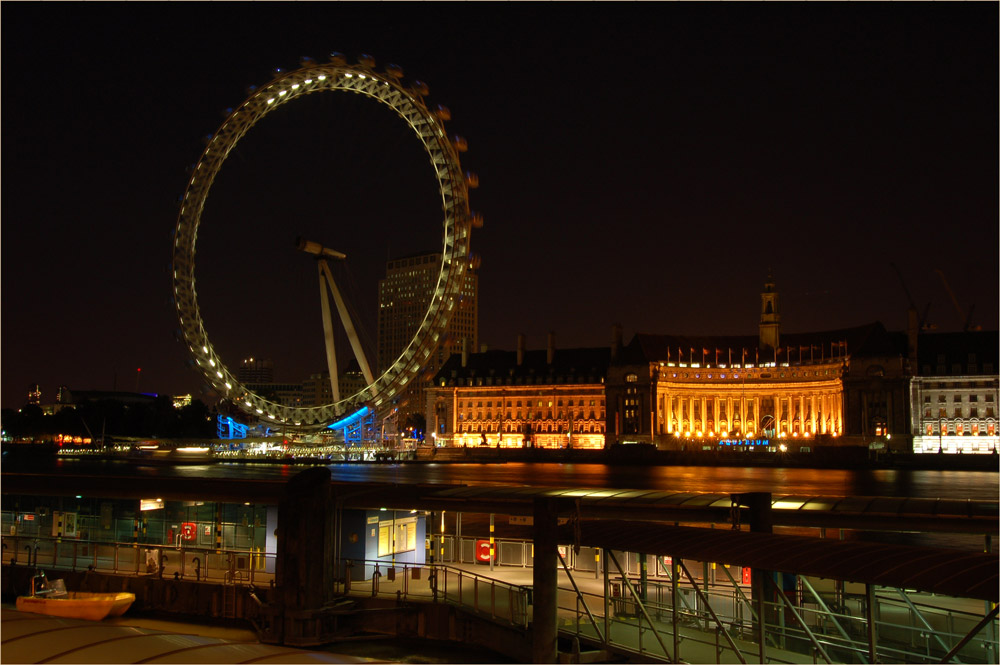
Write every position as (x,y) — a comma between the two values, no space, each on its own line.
(976,485)
(810,482)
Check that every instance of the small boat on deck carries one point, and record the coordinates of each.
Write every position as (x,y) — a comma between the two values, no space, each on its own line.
(52,599)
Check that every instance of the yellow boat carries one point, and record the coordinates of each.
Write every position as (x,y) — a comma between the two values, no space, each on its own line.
(78,605)
(51,598)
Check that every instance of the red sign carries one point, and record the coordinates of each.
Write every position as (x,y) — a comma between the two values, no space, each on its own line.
(29,517)
(746,575)
(483,550)
(188,530)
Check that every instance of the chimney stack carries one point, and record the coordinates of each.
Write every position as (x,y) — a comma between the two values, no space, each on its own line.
(550,354)
(465,351)
(520,349)
(616,341)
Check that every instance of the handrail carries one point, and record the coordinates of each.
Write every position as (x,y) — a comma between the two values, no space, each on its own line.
(123,557)
(487,605)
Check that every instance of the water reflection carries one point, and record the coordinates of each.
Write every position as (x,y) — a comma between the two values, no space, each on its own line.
(976,485)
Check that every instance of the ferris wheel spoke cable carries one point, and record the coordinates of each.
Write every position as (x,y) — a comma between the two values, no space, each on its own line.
(427,124)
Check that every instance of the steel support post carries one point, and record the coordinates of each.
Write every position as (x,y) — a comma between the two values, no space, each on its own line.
(759,504)
(607,601)
(757,588)
(870,616)
(674,573)
(643,579)
(986,620)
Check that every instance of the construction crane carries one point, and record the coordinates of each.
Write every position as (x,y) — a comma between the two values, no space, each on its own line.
(958,308)
(922,318)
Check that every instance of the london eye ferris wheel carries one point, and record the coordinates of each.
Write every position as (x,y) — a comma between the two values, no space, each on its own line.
(427,125)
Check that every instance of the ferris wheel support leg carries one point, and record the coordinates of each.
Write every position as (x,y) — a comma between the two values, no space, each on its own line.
(348,325)
(331,354)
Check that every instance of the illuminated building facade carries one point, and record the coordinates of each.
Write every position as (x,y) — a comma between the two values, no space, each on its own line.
(552,398)
(404,296)
(782,391)
(954,395)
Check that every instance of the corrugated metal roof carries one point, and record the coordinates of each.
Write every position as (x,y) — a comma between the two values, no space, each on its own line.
(36,638)
(977,516)
(949,572)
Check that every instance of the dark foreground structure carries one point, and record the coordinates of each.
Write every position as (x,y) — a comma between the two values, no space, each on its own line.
(577,574)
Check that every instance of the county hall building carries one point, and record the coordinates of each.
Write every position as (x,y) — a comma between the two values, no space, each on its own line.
(859,386)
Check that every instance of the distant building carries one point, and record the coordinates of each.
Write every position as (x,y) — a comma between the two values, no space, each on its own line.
(34,394)
(255,371)
(316,390)
(404,296)
(771,390)
(551,398)
(285,394)
(954,394)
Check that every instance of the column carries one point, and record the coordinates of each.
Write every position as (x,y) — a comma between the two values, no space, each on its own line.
(822,413)
(756,415)
(802,414)
(545,580)
(812,412)
(704,415)
(839,411)
(305,566)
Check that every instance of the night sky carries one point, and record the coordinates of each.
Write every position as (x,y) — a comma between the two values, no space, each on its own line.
(639,163)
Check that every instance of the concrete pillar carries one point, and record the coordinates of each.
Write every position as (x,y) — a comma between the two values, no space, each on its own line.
(305,567)
(759,504)
(545,581)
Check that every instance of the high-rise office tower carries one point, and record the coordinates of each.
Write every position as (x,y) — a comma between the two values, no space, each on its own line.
(404,296)
(255,371)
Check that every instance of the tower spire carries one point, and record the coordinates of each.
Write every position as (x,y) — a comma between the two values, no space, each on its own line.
(770,314)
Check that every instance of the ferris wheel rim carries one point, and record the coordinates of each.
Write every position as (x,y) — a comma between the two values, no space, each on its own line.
(429,128)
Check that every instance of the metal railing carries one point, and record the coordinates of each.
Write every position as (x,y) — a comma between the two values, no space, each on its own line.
(486,596)
(197,563)
(713,623)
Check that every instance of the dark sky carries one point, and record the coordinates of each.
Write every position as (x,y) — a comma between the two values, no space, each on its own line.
(639,163)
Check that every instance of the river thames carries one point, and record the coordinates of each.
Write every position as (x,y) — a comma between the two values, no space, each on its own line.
(904,483)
